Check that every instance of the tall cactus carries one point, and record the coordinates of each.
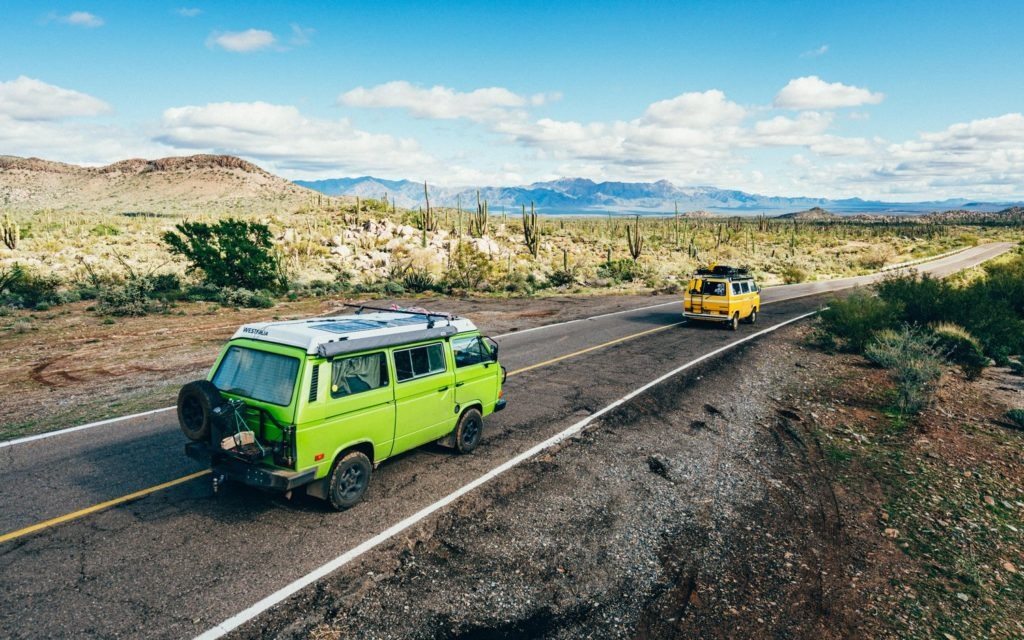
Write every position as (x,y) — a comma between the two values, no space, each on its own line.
(634,239)
(10,232)
(531,230)
(478,220)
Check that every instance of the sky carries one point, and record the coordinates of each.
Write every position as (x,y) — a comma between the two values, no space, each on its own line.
(901,101)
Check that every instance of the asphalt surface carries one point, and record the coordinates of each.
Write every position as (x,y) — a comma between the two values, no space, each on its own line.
(179,561)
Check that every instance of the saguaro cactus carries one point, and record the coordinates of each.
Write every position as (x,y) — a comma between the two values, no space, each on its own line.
(531,230)
(634,239)
(10,232)
(478,220)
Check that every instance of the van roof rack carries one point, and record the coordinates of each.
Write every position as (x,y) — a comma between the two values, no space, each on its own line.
(724,271)
(430,315)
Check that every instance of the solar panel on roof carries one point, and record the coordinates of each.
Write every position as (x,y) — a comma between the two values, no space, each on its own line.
(354,325)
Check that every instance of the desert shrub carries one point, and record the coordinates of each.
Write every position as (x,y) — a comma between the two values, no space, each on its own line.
(165,283)
(793,274)
(1016,416)
(517,282)
(876,257)
(960,348)
(242,297)
(851,322)
(131,298)
(470,269)
(393,287)
(417,281)
(102,230)
(562,277)
(622,270)
(913,363)
(203,292)
(27,289)
(1016,367)
(229,253)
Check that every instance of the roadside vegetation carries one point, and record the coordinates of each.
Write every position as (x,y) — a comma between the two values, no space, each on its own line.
(137,263)
(947,458)
(911,325)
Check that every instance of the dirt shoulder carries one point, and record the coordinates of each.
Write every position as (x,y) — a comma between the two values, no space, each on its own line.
(757,497)
(68,366)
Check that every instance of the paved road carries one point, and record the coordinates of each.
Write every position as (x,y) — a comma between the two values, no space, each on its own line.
(179,561)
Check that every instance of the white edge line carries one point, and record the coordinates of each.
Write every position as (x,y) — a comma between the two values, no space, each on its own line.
(50,434)
(282,594)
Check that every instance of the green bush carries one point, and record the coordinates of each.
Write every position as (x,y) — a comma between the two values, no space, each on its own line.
(245,298)
(960,348)
(794,275)
(1016,416)
(27,289)
(229,253)
(470,269)
(913,363)
(132,298)
(851,322)
(1017,367)
(418,281)
(562,278)
(622,270)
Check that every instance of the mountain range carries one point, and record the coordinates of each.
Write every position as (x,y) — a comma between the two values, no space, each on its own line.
(580,195)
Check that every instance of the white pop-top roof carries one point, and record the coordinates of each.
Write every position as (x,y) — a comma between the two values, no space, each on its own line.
(310,333)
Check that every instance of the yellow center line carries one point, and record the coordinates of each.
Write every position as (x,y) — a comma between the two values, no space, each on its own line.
(192,476)
(99,507)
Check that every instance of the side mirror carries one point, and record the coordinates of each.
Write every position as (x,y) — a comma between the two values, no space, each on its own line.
(493,346)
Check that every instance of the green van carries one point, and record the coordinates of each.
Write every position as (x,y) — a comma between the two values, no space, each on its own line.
(320,403)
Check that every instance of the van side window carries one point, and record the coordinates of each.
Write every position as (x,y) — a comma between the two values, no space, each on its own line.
(419,361)
(469,351)
(735,288)
(358,374)
(746,287)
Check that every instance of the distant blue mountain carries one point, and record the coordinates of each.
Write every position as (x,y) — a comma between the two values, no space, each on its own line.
(580,195)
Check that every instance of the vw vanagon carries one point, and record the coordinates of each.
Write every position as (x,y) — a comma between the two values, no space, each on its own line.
(320,403)
(722,294)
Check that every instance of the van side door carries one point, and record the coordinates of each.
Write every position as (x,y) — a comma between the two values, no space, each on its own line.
(359,406)
(476,373)
(424,395)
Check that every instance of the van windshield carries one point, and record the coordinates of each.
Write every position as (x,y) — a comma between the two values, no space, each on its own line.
(268,377)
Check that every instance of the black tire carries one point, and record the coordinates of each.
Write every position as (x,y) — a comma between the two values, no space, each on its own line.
(349,480)
(469,431)
(734,322)
(752,318)
(196,402)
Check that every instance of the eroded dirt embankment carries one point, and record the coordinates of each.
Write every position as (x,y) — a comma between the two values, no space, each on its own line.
(702,508)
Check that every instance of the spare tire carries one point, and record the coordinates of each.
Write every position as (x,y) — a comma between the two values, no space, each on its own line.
(196,402)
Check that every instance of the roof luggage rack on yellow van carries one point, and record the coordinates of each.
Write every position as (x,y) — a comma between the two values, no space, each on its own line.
(723,271)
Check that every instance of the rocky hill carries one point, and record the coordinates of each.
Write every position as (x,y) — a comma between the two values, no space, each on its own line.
(176,185)
(1010,215)
(814,214)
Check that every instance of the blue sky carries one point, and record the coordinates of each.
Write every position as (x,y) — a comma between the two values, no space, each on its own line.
(902,101)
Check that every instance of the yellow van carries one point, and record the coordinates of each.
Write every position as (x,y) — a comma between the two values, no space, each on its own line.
(722,294)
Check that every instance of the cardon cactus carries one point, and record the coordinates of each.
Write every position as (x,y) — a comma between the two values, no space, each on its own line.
(10,232)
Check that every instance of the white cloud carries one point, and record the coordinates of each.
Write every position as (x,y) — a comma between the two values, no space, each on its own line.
(695,110)
(242,41)
(811,92)
(81,19)
(815,53)
(441,103)
(30,99)
(188,12)
(301,36)
(290,141)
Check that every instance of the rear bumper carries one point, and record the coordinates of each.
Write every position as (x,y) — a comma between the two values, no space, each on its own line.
(249,474)
(711,317)
(500,404)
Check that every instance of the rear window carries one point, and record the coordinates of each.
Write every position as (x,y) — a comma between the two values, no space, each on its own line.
(712,288)
(268,377)
(419,361)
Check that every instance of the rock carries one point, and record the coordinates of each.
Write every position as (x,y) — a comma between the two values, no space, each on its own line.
(990,501)
(1009,566)
(891,532)
(659,464)
(343,251)
(963,596)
